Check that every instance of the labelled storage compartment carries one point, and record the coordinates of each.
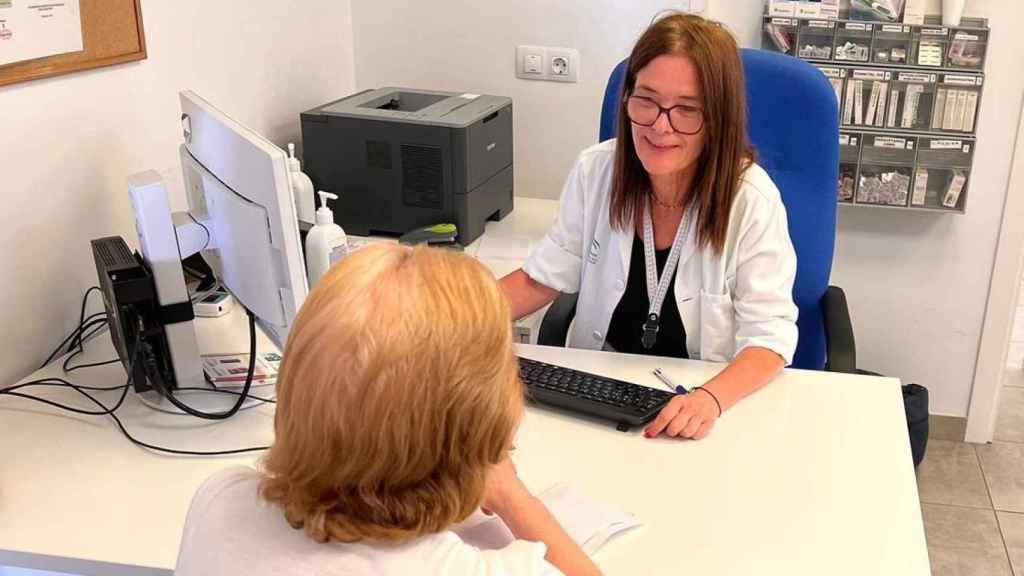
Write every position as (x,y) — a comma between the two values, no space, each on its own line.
(967,49)
(853,42)
(780,35)
(837,77)
(849,158)
(886,170)
(876,10)
(912,100)
(891,44)
(929,45)
(815,39)
(866,99)
(943,173)
(909,97)
(956,103)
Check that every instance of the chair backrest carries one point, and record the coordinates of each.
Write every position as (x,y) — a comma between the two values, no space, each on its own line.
(793,122)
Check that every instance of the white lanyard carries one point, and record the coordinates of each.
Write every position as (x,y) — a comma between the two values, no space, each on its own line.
(657,288)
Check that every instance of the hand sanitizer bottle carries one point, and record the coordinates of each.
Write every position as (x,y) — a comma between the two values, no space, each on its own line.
(302,189)
(326,242)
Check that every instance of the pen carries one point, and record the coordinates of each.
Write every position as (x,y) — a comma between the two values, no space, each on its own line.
(668,382)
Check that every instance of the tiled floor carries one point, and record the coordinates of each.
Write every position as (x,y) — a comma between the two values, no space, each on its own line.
(1010,420)
(972,496)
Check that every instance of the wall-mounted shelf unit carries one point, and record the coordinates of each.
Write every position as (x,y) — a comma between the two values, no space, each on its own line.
(909,98)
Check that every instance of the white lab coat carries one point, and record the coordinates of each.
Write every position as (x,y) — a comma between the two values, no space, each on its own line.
(727,302)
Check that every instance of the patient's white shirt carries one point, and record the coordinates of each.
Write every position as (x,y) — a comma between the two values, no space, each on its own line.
(231,530)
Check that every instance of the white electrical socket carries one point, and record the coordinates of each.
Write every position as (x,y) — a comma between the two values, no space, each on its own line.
(545,63)
(563,64)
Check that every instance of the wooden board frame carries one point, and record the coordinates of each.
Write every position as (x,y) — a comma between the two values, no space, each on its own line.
(112,33)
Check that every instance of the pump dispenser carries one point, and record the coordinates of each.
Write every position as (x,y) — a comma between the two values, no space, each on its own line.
(326,243)
(302,188)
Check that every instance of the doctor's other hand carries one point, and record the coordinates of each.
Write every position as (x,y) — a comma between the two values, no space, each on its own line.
(685,416)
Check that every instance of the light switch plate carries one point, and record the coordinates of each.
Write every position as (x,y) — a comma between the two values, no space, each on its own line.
(530,62)
(533,64)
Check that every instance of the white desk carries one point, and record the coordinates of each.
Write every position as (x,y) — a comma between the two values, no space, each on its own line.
(811,475)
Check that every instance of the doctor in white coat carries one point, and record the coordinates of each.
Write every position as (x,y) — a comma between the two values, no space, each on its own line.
(675,239)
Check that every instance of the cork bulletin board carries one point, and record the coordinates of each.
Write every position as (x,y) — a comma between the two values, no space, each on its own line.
(111,34)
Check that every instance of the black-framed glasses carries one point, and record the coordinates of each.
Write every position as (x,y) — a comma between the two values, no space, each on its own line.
(684,118)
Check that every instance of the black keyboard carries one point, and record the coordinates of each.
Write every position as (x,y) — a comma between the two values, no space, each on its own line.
(622,402)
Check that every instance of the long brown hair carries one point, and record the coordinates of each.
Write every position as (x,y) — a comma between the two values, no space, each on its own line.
(727,150)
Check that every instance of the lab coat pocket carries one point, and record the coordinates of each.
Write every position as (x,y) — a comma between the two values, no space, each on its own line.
(718,327)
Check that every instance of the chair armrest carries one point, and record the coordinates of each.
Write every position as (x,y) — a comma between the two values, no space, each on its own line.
(554,328)
(841,347)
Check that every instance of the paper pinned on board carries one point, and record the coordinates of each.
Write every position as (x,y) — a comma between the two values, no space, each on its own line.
(30,30)
(589,523)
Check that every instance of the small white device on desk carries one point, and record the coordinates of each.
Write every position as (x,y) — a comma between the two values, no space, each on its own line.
(213,304)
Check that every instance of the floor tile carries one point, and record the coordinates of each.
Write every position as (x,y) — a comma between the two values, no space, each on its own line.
(950,474)
(946,428)
(1017,331)
(1013,377)
(1003,467)
(1010,420)
(1015,356)
(964,542)
(1012,526)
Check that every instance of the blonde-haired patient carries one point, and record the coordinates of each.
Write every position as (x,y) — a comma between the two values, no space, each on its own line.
(398,399)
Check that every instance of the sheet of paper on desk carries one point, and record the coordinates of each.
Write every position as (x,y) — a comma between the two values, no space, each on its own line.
(504,248)
(232,369)
(589,523)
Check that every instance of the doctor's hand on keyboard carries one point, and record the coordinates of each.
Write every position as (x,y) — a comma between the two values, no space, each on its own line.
(686,416)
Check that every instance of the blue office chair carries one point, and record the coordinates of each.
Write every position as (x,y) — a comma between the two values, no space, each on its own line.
(793,123)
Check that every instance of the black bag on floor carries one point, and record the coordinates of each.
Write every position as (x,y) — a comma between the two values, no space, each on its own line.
(915,404)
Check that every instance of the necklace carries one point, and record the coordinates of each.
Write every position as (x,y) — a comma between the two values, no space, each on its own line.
(654,197)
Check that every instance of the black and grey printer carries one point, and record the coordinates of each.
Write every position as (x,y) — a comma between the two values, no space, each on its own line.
(400,159)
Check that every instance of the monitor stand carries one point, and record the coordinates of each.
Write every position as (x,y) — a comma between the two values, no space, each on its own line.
(165,239)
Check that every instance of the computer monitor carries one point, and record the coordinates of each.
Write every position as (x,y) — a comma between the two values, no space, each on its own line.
(242,218)
(238,182)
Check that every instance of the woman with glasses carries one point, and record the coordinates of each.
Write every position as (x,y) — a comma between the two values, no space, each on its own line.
(675,239)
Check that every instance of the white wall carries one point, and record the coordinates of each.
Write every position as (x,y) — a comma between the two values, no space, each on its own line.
(69,143)
(917,283)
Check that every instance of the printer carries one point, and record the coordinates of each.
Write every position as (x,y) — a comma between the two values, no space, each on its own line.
(400,159)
